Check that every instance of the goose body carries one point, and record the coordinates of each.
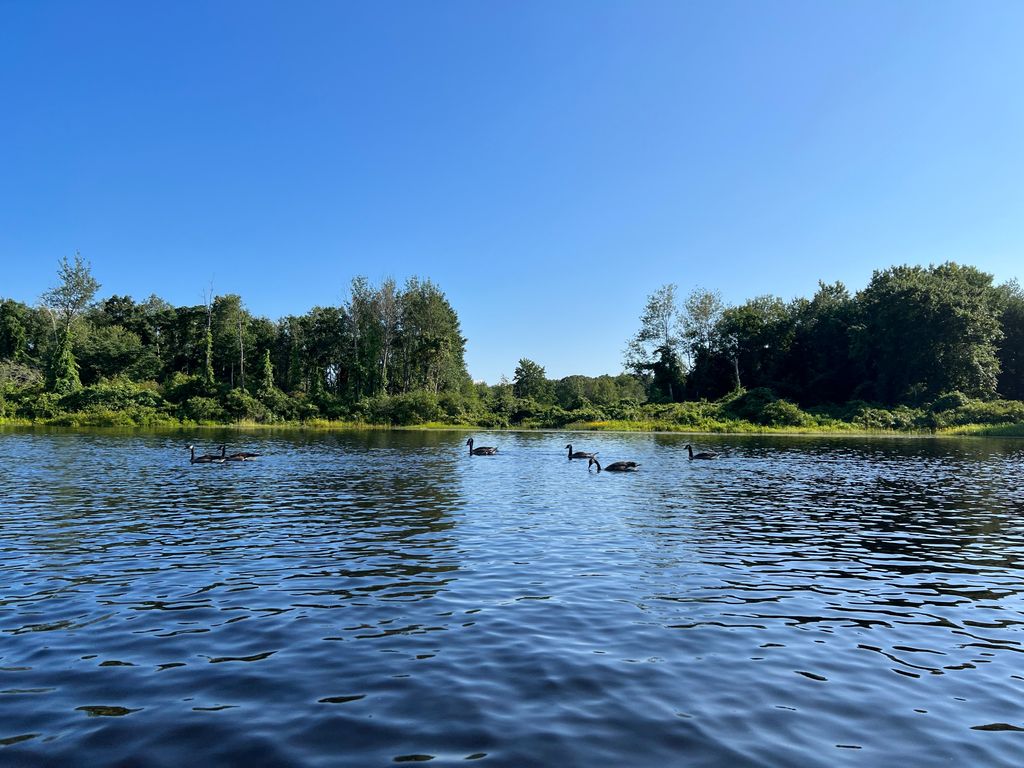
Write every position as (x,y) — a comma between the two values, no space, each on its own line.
(208,458)
(701,455)
(240,456)
(615,466)
(483,450)
(579,454)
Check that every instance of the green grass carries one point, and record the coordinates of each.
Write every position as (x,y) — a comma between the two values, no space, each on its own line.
(114,419)
(985,430)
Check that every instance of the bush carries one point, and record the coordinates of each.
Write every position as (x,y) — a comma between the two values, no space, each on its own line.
(113,395)
(748,405)
(783,413)
(400,410)
(949,401)
(202,409)
(44,405)
(243,406)
(979,412)
(181,387)
(453,407)
(899,418)
(278,404)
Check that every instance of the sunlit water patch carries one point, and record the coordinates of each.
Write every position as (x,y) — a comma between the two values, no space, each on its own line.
(378,598)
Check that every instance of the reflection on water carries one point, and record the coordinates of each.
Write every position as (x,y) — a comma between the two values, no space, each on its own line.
(370,598)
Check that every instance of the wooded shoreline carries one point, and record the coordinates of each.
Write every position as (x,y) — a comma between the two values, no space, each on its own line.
(920,350)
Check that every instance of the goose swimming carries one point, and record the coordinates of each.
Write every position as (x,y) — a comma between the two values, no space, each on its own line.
(701,455)
(579,454)
(240,456)
(483,450)
(207,458)
(615,466)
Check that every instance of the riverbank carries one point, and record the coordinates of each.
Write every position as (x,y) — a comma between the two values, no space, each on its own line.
(756,411)
(90,421)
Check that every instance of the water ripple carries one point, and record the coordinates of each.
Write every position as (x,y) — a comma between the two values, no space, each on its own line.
(374,598)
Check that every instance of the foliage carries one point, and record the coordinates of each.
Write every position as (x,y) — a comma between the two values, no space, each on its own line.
(929,330)
(922,349)
(242,406)
(654,352)
(64,377)
(69,298)
(530,381)
(203,409)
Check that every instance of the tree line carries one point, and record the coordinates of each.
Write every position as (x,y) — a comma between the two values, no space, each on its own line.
(394,354)
(911,335)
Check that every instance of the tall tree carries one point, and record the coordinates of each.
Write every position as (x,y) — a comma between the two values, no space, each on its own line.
(1011,349)
(928,330)
(266,385)
(70,297)
(13,335)
(529,380)
(699,318)
(654,352)
(64,303)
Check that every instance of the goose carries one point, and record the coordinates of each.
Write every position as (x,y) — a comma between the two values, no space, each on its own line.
(701,455)
(615,466)
(240,456)
(208,458)
(483,450)
(579,454)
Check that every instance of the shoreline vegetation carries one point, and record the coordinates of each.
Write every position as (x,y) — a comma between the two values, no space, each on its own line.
(967,418)
(744,428)
(935,350)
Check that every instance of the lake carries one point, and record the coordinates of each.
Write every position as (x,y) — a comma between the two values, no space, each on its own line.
(374,598)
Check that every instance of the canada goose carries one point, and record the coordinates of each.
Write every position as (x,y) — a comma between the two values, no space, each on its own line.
(701,455)
(579,454)
(240,456)
(208,458)
(483,450)
(615,466)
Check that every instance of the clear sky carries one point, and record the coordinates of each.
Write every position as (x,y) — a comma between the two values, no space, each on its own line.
(547,163)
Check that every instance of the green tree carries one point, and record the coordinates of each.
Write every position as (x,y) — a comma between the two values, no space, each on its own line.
(654,353)
(64,303)
(700,318)
(73,293)
(106,351)
(13,336)
(266,385)
(63,378)
(1011,348)
(757,336)
(924,331)
(529,380)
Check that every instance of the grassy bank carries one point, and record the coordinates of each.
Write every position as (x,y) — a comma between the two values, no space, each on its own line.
(733,427)
(124,404)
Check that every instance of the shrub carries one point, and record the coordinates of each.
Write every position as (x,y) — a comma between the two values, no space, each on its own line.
(202,409)
(748,405)
(783,413)
(112,395)
(403,410)
(241,405)
(181,387)
(278,404)
(949,401)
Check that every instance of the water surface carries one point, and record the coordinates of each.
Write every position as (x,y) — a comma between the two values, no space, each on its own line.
(376,598)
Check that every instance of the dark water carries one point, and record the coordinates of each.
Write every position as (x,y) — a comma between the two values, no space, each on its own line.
(370,599)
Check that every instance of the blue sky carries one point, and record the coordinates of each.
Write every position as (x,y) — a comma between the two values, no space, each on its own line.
(548,164)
